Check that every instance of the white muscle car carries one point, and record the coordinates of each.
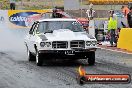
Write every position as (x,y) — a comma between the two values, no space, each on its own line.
(61,38)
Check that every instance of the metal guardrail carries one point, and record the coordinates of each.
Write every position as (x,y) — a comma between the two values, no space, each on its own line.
(98,14)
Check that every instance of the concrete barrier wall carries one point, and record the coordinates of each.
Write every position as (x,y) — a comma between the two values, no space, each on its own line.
(125,39)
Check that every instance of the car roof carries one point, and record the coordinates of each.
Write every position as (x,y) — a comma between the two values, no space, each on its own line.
(57,19)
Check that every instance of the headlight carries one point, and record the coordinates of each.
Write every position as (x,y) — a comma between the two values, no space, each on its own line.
(94,43)
(88,43)
(45,44)
(91,43)
(42,44)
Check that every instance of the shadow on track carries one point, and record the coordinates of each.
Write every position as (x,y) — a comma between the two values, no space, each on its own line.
(59,63)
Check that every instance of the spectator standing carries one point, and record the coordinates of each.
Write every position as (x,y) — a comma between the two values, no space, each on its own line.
(90,12)
(125,10)
(112,26)
(129,18)
(12,4)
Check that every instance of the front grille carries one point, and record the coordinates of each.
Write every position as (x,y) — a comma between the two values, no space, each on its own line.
(59,44)
(77,44)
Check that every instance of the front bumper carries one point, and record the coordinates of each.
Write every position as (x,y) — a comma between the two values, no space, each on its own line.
(67,54)
(68,51)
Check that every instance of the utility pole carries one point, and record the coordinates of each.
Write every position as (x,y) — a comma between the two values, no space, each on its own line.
(53,4)
(81,8)
(21,4)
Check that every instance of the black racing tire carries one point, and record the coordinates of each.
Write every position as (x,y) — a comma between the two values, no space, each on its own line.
(91,58)
(31,57)
(39,61)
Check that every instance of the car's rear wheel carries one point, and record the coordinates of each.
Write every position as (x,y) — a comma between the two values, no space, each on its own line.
(39,61)
(31,57)
(91,58)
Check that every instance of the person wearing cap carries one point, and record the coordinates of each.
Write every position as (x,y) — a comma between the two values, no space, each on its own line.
(129,18)
(112,26)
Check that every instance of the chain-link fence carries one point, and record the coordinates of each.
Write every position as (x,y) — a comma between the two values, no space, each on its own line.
(98,13)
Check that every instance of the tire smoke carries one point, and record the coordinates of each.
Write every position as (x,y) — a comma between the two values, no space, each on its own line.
(12,40)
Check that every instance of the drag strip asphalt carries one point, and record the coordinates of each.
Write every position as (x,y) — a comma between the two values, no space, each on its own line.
(17,72)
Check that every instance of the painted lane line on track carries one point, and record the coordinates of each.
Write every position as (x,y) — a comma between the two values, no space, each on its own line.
(114,50)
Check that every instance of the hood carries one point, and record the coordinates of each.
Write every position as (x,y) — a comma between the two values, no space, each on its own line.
(67,35)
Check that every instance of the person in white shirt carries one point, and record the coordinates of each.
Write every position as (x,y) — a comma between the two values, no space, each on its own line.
(90,12)
(12,4)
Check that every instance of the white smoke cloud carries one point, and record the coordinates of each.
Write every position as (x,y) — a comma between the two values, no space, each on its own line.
(11,39)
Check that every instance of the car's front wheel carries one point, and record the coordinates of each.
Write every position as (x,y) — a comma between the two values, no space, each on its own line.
(39,61)
(91,58)
(31,57)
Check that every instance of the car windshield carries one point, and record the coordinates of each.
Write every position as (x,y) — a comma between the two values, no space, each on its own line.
(48,26)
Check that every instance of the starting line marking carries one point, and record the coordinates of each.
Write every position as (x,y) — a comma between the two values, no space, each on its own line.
(114,50)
